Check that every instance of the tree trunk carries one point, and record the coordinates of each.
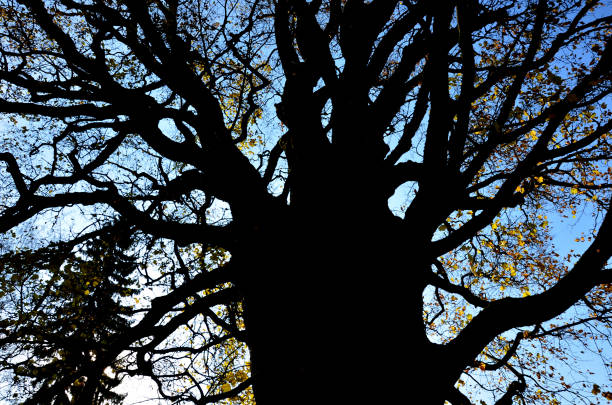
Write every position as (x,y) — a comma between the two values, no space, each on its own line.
(337,315)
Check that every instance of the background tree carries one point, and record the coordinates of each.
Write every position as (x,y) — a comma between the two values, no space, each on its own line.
(198,192)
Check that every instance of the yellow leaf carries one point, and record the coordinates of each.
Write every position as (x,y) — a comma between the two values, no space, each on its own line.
(226,387)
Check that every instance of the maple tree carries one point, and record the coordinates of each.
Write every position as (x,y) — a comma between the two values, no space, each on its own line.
(205,194)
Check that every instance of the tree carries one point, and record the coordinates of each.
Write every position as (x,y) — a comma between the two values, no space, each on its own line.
(198,192)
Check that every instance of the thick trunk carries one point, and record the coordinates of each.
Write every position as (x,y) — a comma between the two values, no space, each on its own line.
(333,313)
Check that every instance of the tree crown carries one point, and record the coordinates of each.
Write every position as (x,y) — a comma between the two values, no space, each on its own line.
(171,154)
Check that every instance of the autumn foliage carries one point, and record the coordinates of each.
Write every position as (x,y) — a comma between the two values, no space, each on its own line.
(304,202)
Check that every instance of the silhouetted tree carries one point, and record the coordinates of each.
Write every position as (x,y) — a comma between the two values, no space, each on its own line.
(215,186)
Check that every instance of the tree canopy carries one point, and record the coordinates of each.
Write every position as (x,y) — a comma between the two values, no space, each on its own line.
(292,201)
